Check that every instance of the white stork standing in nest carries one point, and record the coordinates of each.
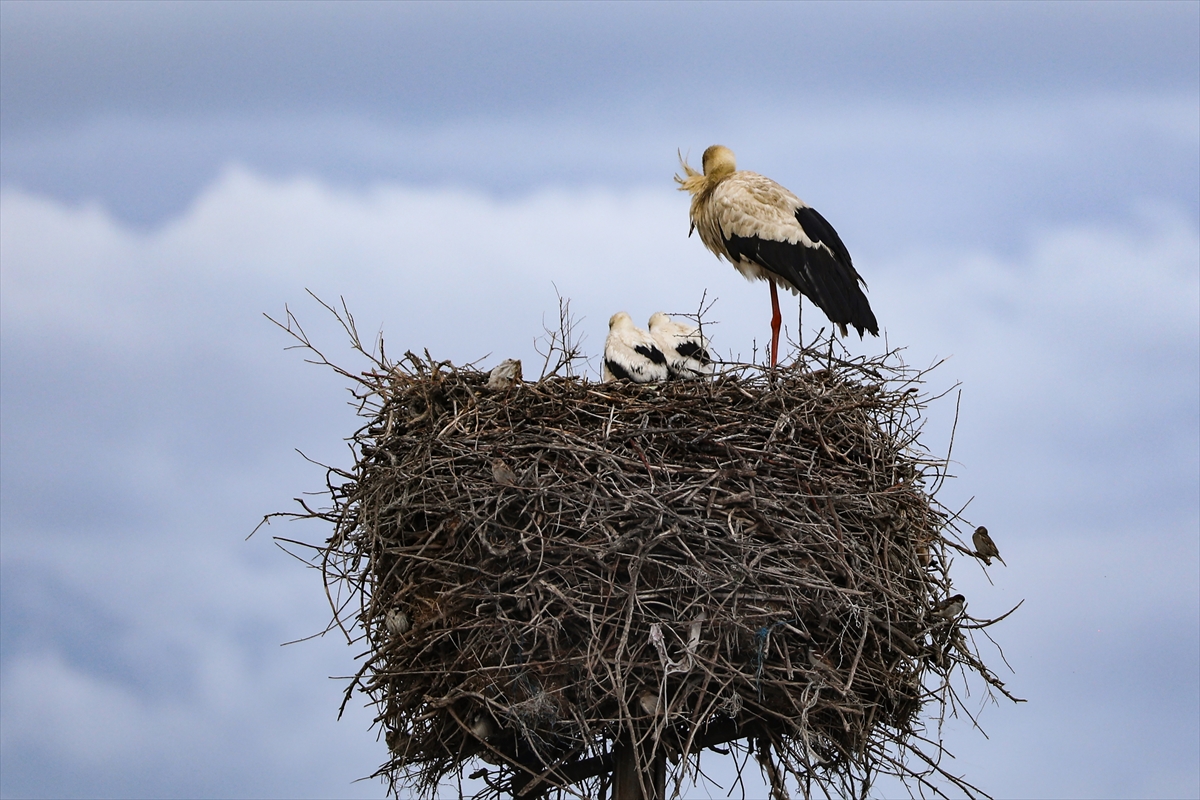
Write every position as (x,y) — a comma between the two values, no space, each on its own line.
(769,234)
(684,346)
(632,354)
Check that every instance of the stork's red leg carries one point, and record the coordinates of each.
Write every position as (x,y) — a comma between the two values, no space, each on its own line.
(776,319)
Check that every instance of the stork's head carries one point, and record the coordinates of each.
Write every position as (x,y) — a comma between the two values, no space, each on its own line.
(657,319)
(620,320)
(718,161)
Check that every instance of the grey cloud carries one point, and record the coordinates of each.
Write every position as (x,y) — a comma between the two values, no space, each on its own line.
(954,174)
(141,105)
(66,62)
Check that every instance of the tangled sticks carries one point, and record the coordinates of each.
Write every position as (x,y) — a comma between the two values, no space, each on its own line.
(557,571)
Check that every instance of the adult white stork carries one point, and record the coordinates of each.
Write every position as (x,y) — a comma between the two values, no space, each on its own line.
(684,346)
(769,234)
(631,353)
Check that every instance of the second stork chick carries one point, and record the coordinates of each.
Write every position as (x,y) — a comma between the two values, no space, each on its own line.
(684,346)
(631,353)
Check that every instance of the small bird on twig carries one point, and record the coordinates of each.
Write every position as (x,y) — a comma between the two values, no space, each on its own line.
(820,660)
(505,375)
(631,353)
(396,740)
(397,622)
(649,702)
(684,346)
(951,608)
(482,726)
(502,473)
(985,548)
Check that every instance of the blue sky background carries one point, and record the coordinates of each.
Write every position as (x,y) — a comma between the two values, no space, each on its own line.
(1018,183)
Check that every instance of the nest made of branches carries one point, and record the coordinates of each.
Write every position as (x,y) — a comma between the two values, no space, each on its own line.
(544,574)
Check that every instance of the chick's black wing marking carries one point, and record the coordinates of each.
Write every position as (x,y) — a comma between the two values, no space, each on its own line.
(652,353)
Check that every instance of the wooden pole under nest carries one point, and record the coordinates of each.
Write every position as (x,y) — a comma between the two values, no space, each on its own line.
(629,784)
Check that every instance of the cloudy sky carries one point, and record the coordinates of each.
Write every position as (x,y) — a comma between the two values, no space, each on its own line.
(1018,183)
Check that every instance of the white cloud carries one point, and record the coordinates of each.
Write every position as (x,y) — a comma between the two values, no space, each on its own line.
(453,271)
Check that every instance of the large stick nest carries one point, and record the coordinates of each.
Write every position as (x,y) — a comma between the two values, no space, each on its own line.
(548,572)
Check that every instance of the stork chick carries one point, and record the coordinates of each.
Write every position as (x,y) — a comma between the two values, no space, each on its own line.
(631,353)
(769,234)
(684,346)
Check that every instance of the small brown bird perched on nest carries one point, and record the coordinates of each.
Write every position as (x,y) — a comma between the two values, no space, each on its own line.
(951,608)
(505,375)
(769,234)
(985,548)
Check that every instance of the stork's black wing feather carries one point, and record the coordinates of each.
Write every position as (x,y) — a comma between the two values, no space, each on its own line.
(825,276)
(819,230)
